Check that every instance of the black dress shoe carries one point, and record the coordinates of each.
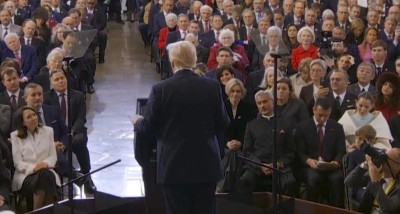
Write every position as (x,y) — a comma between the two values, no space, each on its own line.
(90,89)
(120,21)
(89,186)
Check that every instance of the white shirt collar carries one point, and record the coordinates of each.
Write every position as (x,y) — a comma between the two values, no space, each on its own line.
(316,122)
(365,87)
(16,93)
(340,95)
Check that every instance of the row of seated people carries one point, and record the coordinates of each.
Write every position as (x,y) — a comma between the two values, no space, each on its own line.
(362,96)
(42,30)
(26,153)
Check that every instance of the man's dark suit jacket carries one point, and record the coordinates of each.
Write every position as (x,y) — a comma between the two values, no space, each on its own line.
(6,100)
(230,21)
(78,108)
(347,26)
(254,79)
(24,14)
(53,119)
(159,23)
(173,37)
(349,102)
(395,130)
(202,28)
(355,89)
(29,60)
(202,54)
(210,37)
(187,147)
(308,143)
(43,79)
(295,111)
(290,19)
(258,143)
(5,181)
(388,203)
(40,46)
(387,67)
(99,18)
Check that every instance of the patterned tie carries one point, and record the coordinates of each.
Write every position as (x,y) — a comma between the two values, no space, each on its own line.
(18,57)
(63,108)
(14,105)
(5,32)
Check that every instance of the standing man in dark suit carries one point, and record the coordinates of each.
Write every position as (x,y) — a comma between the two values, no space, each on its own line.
(188,152)
(26,55)
(13,95)
(320,139)
(57,97)
(97,18)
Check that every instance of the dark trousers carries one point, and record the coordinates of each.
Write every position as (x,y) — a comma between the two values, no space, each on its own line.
(252,181)
(329,181)
(144,32)
(102,37)
(79,147)
(115,7)
(190,198)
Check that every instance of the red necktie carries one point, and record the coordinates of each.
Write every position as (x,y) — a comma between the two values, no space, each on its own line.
(18,57)
(217,39)
(238,25)
(63,108)
(206,27)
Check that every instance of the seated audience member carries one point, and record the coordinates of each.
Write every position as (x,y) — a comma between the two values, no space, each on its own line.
(306,38)
(388,95)
(239,112)
(57,96)
(255,78)
(41,17)
(356,34)
(7,25)
(289,107)
(270,43)
(28,38)
(201,51)
(320,147)
(13,95)
(58,36)
(381,194)
(246,30)
(341,99)
(257,146)
(171,20)
(181,30)
(379,57)
(33,170)
(5,121)
(365,50)
(25,54)
(69,21)
(54,61)
(224,57)
(205,21)
(365,74)
(10,62)
(290,37)
(194,28)
(226,39)
(224,74)
(352,120)
(213,34)
(387,34)
(268,81)
(258,42)
(319,86)
(302,78)
(397,64)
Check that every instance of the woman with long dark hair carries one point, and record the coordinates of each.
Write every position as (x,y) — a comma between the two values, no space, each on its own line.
(388,95)
(290,37)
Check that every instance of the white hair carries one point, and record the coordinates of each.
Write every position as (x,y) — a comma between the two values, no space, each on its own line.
(264,82)
(302,30)
(273,29)
(205,7)
(171,16)
(224,32)
(328,14)
(264,92)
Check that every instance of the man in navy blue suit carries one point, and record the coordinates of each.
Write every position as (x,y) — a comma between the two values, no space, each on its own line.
(49,116)
(188,152)
(26,55)
(181,33)
(159,19)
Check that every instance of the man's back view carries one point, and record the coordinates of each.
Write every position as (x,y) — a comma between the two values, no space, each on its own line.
(186,113)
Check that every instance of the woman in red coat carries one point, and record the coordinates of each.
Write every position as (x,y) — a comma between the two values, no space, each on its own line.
(227,39)
(171,20)
(306,49)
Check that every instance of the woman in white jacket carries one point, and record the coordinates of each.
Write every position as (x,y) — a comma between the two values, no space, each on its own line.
(352,120)
(34,156)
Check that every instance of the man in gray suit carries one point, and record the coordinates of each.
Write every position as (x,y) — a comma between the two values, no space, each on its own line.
(365,74)
(6,25)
